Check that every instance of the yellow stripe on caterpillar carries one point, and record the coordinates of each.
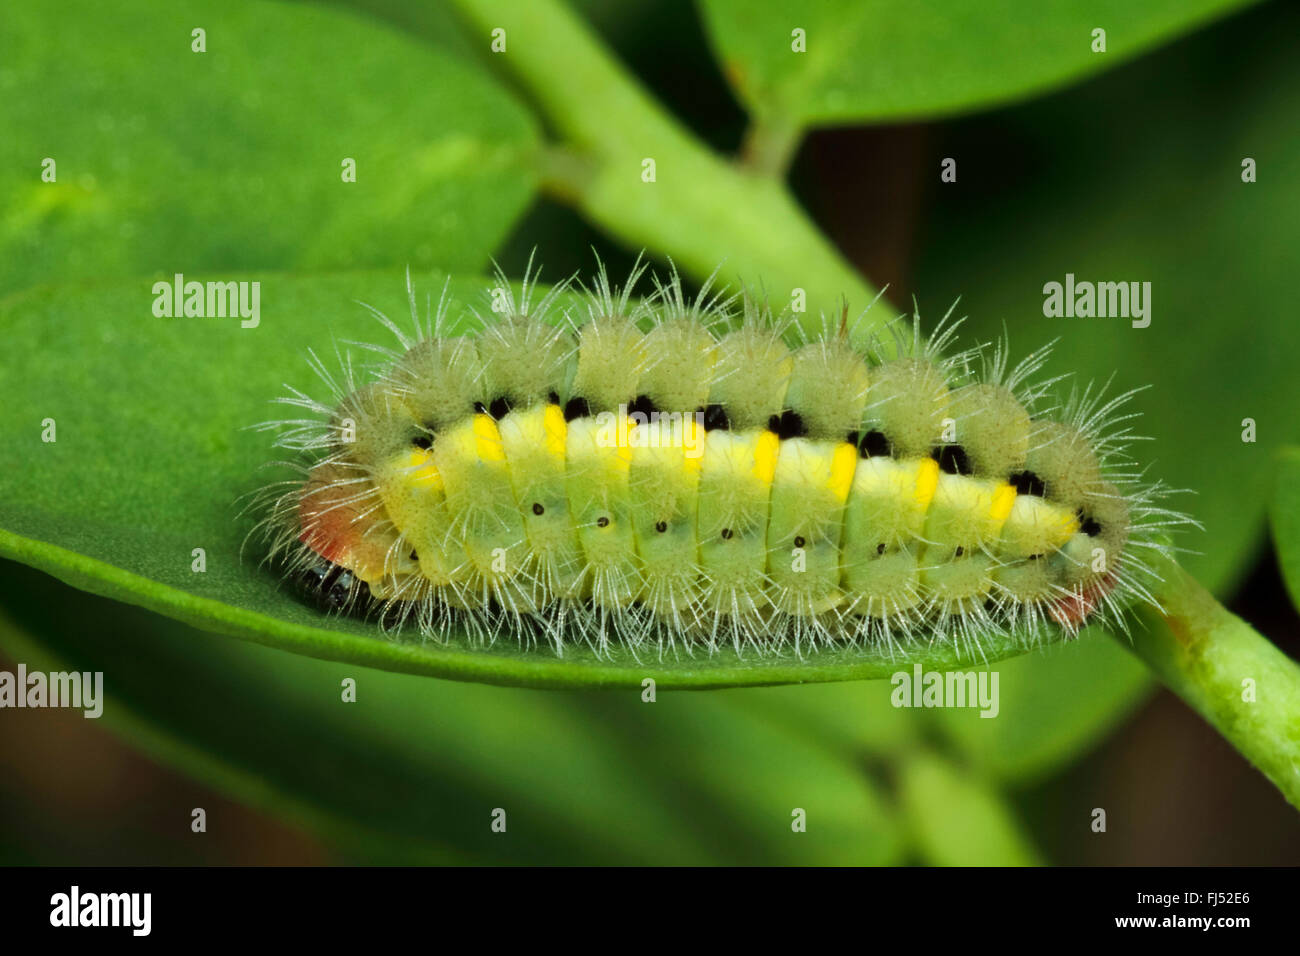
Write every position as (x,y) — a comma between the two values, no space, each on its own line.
(767,447)
(1004,499)
(927,480)
(487,439)
(843,464)
(555,430)
(693,443)
(421,470)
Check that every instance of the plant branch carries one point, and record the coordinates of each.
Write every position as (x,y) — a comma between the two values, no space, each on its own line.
(699,209)
(770,145)
(1228,673)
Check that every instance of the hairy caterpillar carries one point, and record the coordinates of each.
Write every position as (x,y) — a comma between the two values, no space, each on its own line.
(672,474)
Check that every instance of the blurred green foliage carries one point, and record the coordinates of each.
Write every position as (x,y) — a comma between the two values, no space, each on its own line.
(1286,518)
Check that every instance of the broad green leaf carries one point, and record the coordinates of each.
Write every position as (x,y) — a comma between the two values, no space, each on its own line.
(412,770)
(169,160)
(140,476)
(957,818)
(1286,519)
(877,60)
(1149,193)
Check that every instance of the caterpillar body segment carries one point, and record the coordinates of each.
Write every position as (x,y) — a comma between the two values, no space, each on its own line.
(663,484)
(536,447)
(670,474)
(599,467)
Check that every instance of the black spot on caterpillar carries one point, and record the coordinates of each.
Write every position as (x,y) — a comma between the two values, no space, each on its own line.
(715,418)
(702,474)
(576,407)
(876,445)
(1089,526)
(789,424)
(642,405)
(1027,483)
(952,460)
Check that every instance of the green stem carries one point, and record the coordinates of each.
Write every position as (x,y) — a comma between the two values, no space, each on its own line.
(770,146)
(1228,673)
(700,208)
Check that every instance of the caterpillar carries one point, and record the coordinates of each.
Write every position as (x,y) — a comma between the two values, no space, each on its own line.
(700,473)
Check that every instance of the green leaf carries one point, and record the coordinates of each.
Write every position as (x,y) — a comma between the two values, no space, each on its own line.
(141,476)
(1286,519)
(412,770)
(957,818)
(231,159)
(877,60)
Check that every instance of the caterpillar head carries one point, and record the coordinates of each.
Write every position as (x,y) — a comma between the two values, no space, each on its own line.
(1088,558)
